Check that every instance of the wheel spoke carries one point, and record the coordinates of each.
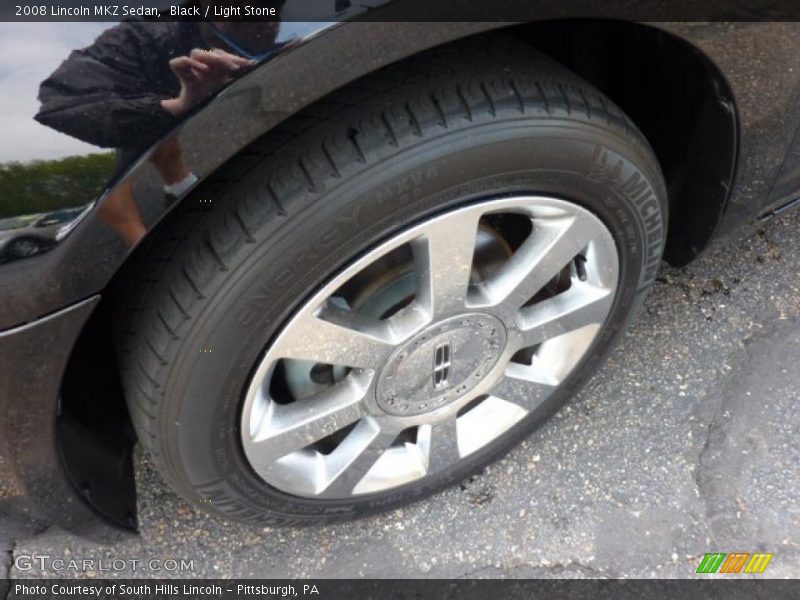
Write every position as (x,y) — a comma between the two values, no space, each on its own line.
(354,457)
(444,262)
(550,247)
(442,445)
(583,304)
(485,422)
(284,429)
(337,337)
(525,386)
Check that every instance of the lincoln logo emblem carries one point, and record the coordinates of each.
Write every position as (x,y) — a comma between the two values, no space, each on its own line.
(442,359)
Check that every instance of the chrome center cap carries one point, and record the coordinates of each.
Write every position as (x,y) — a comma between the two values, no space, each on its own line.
(440,365)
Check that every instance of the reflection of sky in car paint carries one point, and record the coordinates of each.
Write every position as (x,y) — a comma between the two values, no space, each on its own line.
(29,52)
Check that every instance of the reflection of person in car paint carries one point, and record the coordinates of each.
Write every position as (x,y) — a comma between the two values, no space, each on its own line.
(137,81)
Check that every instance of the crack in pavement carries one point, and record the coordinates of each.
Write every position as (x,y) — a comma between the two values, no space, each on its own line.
(7,553)
(743,435)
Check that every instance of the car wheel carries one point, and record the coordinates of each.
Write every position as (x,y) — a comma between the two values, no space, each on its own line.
(397,286)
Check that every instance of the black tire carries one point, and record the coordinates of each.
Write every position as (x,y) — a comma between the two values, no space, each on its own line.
(441,129)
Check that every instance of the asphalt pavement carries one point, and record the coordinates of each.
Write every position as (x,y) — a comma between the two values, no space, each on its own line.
(684,443)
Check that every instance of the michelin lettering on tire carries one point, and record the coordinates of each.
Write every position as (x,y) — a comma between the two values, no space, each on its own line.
(607,168)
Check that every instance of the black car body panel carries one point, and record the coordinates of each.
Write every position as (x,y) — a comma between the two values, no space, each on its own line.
(751,143)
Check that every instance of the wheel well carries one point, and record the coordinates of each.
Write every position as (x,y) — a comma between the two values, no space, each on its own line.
(673,93)
(94,433)
(678,99)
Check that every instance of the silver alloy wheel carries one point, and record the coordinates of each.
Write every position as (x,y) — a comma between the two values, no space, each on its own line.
(417,391)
